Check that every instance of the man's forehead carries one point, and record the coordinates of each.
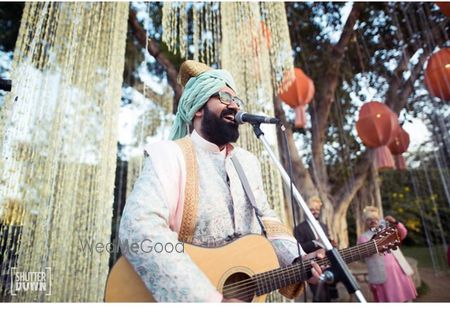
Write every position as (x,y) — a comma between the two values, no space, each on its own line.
(228,89)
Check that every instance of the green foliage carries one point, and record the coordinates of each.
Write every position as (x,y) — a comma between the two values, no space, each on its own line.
(423,289)
(417,203)
(423,257)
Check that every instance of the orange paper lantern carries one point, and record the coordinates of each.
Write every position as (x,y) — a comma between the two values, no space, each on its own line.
(398,145)
(383,158)
(400,142)
(445,7)
(437,74)
(400,162)
(376,124)
(300,92)
(300,117)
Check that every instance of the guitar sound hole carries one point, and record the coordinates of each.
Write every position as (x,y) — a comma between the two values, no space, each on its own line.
(240,286)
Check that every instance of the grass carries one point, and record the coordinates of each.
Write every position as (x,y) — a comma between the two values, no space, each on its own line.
(423,289)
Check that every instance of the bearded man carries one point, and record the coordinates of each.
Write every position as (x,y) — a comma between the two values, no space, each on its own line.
(189,190)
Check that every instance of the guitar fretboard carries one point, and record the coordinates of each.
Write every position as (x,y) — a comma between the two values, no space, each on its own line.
(275,279)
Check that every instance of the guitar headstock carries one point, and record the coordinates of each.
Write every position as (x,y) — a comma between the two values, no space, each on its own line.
(387,239)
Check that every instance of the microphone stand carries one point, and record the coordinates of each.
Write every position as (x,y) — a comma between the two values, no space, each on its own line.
(339,269)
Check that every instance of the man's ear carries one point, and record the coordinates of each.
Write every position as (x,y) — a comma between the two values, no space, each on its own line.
(199,113)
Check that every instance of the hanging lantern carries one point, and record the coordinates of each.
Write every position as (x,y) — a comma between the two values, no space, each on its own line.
(437,74)
(298,95)
(398,145)
(400,142)
(376,124)
(300,116)
(400,162)
(445,7)
(383,158)
(300,92)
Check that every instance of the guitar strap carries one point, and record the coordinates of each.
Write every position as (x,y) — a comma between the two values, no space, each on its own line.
(248,192)
(191,191)
(290,291)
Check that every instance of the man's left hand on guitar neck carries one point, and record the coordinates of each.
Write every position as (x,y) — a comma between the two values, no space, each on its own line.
(316,269)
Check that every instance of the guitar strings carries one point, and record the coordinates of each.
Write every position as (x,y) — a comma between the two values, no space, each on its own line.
(293,268)
(297,266)
(250,285)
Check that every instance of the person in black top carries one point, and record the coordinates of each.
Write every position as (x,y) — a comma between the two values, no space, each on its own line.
(310,242)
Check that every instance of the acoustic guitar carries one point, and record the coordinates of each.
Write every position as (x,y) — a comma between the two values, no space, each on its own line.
(246,269)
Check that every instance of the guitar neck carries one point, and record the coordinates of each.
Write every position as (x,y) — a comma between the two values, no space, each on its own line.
(275,279)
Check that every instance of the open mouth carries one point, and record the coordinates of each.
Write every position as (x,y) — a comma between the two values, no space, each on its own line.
(229,118)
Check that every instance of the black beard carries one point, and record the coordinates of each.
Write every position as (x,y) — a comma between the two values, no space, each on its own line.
(217,130)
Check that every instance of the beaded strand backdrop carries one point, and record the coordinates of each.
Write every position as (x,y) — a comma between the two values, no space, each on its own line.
(58,148)
(206,33)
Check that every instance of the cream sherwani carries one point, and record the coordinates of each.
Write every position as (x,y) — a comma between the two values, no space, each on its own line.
(154,209)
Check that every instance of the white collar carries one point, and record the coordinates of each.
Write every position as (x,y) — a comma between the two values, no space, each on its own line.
(207,145)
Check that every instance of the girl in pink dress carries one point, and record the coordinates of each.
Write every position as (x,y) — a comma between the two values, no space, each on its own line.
(389,276)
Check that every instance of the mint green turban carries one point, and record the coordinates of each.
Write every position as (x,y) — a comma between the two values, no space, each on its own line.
(196,93)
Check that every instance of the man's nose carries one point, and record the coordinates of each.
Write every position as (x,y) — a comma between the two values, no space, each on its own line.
(233,105)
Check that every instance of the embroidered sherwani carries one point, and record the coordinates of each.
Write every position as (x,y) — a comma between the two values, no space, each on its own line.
(224,212)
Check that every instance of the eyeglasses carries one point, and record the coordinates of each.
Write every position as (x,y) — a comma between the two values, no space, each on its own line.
(227,99)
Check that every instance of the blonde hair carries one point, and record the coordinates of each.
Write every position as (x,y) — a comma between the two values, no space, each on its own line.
(371,212)
(314,198)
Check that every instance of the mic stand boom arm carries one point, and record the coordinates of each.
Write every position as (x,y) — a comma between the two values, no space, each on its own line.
(338,266)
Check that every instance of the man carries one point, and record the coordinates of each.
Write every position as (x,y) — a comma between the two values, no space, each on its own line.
(189,190)
(310,242)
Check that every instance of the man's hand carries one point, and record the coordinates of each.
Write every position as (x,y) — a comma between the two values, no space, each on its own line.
(316,270)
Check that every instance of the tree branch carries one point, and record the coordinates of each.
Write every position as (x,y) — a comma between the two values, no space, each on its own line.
(347,193)
(326,94)
(152,47)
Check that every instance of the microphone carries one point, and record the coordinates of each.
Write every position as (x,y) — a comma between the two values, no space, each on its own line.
(242,117)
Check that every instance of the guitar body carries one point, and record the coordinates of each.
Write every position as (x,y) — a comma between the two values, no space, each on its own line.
(234,262)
